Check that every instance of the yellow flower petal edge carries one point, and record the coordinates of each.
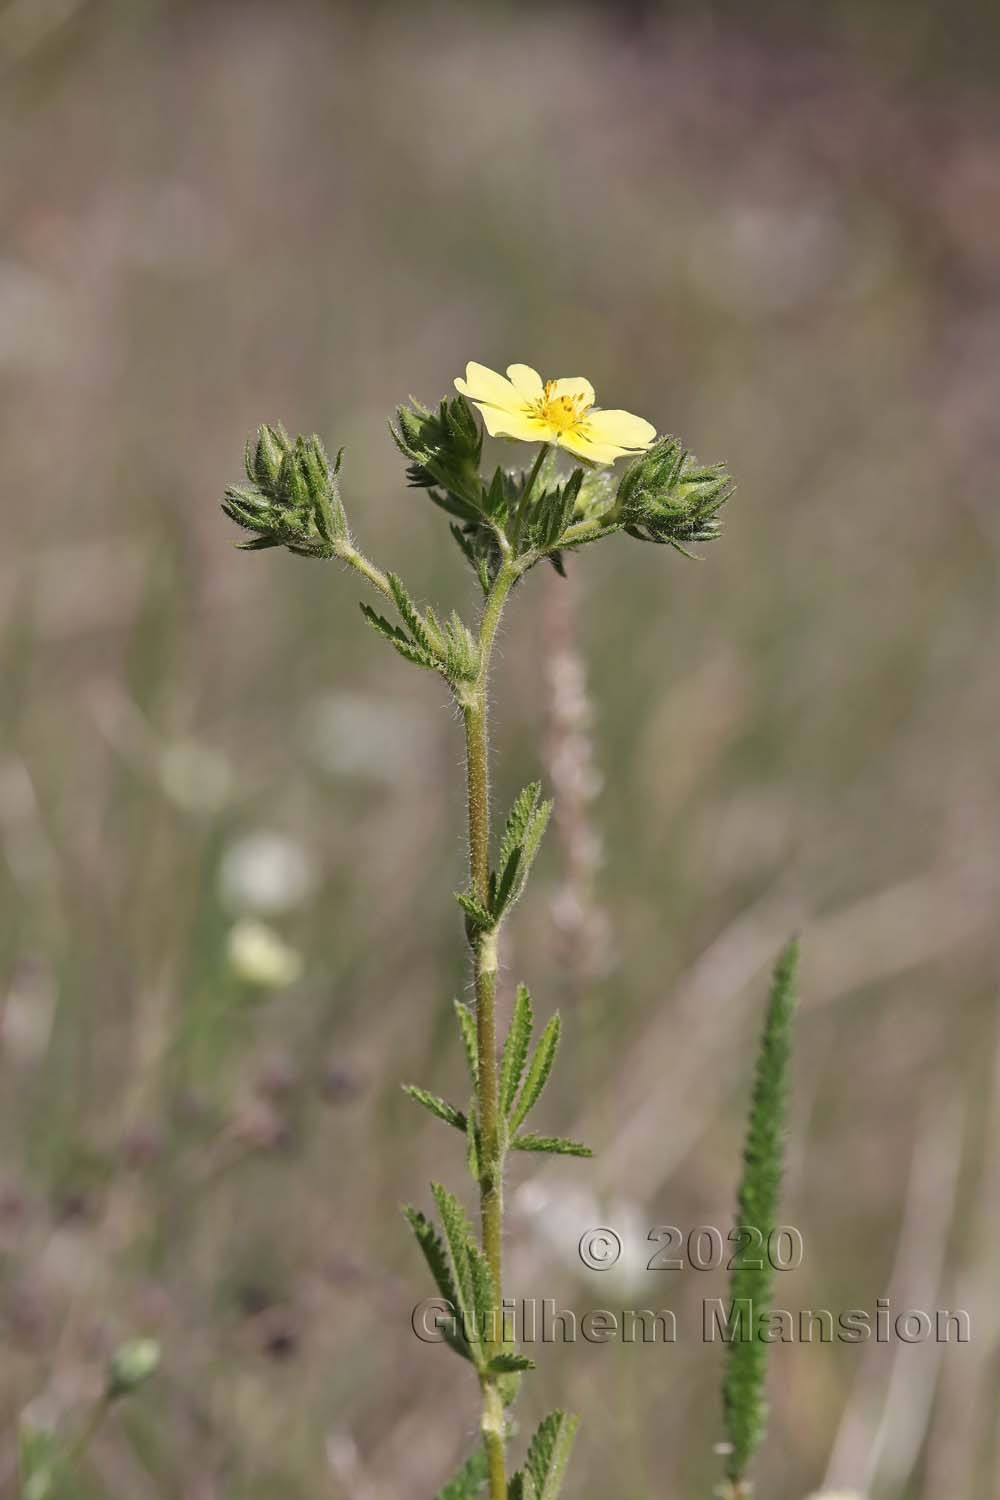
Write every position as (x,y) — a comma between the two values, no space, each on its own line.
(524,407)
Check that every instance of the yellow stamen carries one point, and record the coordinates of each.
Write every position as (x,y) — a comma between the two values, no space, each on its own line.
(563,413)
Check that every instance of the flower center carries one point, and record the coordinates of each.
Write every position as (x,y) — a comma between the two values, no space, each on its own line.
(560,412)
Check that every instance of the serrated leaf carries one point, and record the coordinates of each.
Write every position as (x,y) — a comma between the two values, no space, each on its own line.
(538,1072)
(510,1364)
(522,1487)
(379,623)
(436,1257)
(410,614)
(556,1145)
(461,1246)
(397,639)
(532,840)
(470,1039)
(522,837)
(470,1482)
(473,909)
(439,1107)
(515,1049)
(548,1454)
(518,819)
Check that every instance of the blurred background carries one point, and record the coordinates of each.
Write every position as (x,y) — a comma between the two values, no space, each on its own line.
(230,820)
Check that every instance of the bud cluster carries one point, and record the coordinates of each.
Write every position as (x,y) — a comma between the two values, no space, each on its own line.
(667,496)
(292,498)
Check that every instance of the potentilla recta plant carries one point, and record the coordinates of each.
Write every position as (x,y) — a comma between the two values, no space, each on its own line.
(504,523)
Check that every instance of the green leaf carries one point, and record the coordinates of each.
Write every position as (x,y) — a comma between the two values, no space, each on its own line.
(556,1145)
(470,1482)
(510,1364)
(522,835)
(538,1073)
(549,1453)
(515,1049)
(439,1107)
(743,1392)
(411,616)
(461,1247)
(522,1487)
(473,910)
(534,833)
(470,1039)
(517,822)
(396,638)
(462,650)
(437,1260)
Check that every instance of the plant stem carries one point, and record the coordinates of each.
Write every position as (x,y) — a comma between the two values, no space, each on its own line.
(485,958)
(349,554)
(526,495)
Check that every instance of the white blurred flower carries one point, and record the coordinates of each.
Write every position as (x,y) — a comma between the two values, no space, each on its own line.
(356,734)
(265,872)
(259,955)
(196,777)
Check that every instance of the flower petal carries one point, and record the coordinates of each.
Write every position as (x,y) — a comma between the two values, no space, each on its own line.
(575,441)
(515,424)
(526,381)
(573,386)
(484,384)
(621,429)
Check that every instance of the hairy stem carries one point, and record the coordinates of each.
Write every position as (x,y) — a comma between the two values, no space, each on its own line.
(526,495)
(485,958)
(349,554)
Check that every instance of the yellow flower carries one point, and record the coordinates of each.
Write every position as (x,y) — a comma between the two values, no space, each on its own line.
(558,411)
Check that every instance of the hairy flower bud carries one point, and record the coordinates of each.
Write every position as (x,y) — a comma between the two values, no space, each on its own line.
(667,496)
(292,499)
(444,448)
(264,461)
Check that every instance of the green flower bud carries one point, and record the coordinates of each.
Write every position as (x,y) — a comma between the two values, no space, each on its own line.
(292,499)
(444,448)
(667,496)
(264,461)
(131,1365)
